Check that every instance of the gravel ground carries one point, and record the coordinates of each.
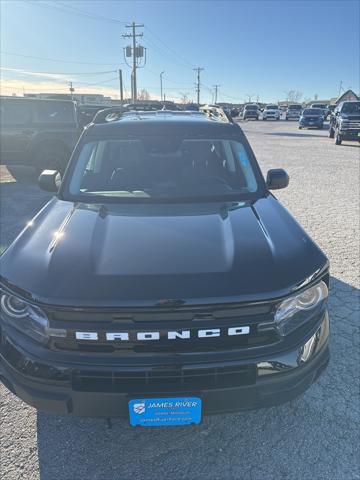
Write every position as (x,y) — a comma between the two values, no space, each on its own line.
(315,437)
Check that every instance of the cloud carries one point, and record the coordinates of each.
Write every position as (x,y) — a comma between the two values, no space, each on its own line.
(19,87)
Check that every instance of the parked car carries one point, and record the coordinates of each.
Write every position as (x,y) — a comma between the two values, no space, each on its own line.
(250,111)
(324,107)
(163,281)
(40,133)
(271,112)
(293,112)
(86,113)
(312,118)
(345,122)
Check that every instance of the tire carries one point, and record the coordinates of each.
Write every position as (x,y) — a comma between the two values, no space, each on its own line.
(52,157)
(338,138)
(331,132)
(300,128)
(264,119)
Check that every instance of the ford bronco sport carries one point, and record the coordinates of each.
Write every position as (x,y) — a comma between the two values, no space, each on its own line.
(163,281)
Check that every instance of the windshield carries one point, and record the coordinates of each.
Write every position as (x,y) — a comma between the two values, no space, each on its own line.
(271,107)
(295,107)
(251,107)
(318,105)
(351,107)
(312,111)
(161,168)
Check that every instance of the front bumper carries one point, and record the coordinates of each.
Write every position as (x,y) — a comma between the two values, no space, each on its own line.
(267,381)
(317,123)
(350,133)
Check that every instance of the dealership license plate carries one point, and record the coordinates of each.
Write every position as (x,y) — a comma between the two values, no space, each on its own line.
(161,412)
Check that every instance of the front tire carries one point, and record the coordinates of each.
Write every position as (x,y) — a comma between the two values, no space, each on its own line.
(338,138)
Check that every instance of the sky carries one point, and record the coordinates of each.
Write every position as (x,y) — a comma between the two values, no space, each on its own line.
(252,49)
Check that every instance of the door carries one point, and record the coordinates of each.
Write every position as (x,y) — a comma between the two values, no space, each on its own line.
(15,129)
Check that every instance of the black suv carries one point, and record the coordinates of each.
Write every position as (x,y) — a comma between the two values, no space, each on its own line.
(40,133)
(345,122)
(163,281)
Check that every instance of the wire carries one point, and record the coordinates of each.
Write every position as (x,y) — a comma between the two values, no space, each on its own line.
(189,64)
(90,14)
(76,11)
(57,59)
(30,72)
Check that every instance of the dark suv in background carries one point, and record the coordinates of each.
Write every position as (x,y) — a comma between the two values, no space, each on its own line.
(345,122)
(40,133)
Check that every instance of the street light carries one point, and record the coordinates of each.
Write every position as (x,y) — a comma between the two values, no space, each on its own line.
(161,85)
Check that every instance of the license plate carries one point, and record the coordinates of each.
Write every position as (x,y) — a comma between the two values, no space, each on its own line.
(161,412)
(311,123)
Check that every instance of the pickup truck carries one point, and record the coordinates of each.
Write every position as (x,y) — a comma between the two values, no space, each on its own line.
(345,122)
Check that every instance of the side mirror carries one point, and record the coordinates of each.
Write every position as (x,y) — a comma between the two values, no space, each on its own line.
(277,178)
(50,180)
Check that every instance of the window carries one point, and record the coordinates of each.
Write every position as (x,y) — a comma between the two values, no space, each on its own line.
(56,112)
(162,167)
(15,112)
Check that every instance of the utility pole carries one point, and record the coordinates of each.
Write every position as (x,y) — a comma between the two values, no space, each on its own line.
(72,90)
(161,86)
(216,93)
(135,54)
(340,88)
(121,87)
(198,70)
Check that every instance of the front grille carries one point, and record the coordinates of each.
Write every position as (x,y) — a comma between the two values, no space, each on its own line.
(164,379)
(158,320)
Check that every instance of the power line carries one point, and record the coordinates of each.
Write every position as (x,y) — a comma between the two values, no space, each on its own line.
(60,7)
(190,65)
(57,59)
(31,72)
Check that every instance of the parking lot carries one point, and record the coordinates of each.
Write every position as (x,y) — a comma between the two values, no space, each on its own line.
(315,437)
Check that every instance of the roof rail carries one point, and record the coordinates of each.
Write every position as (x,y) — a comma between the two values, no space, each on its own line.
(110,114)
(218,113)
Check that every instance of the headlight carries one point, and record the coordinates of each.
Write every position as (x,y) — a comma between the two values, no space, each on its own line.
(28,319)
(294,311)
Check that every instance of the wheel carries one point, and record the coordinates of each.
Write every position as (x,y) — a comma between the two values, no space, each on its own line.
(264,119)
(52,157)
(300,128)
(338,138)
(331,132)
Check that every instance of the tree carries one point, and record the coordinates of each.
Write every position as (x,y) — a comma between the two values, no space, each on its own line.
(144,95)
(184,98)
(293,96)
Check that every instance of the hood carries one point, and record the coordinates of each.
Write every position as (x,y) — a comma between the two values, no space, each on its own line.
(121,255)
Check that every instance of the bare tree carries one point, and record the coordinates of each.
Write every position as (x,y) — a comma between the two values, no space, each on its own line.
(293,95)
(144,95)
(184,98)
